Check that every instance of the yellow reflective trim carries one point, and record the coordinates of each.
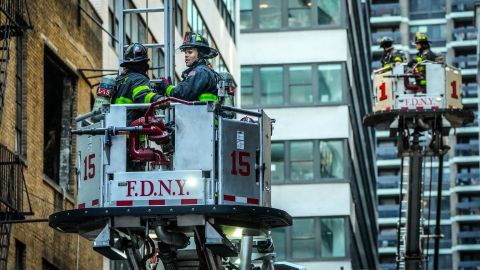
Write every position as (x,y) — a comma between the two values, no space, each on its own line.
(169,89)
(397,59)
(419,59)
(199,38)
(123,100)
(387,65)
(148,97)
(139,89)
(208,97)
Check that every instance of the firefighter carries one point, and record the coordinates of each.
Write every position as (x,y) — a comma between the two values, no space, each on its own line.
(424,54)
(390,55)
(133,84)
(199,80)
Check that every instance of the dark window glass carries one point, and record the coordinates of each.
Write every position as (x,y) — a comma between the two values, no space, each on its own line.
(331,159)
(303,238)
(329,12)
(246,14)
(20,256)
(270,16)
(301,161)
(271,85)
(279,237)
(300,79)
(299,13)
(278,162)
(247,86)
(332,232)
(330,83)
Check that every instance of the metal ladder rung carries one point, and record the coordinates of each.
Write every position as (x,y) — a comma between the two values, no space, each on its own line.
(142,10)
(150,45)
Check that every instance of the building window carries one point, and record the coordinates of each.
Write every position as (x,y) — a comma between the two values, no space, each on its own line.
(307,161)
(311,238)
(20,98)
(59,102)
(299,13)
(424,9)
(266,15)
(436,33)
(20,256)
(292,85)
(113,23)
(48,266)
(227,11)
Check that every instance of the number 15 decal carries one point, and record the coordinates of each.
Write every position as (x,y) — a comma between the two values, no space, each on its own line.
(88,162)
(243,166)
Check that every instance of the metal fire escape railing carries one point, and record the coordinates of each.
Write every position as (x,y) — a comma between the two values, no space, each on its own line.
(12,190)
(14,21)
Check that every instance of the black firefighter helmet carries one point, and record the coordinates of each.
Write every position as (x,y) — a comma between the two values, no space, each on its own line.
(386,42)
(135,53)
(193,40)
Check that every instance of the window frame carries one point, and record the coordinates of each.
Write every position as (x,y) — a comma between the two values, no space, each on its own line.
(288,231)
(284,19)
(286,86)
(316,160)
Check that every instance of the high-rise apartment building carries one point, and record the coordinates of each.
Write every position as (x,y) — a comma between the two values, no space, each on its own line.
(307,64)
(449,24)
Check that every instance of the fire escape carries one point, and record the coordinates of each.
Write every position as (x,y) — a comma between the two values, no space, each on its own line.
(14,21)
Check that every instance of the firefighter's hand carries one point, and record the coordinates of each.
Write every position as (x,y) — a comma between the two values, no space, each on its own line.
(411,63)
(161,86)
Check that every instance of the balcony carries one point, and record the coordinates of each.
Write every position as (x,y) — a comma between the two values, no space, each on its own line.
(468,238)
(388,211)
(388,181)
(385,10)
(468,179)
(467,149)
(396,36)
(445,214)
(462,5)
(470,90)
(468,208)
(465,61)
(387,240)
(474,123)
(387,152)
(464,33)
(468,265)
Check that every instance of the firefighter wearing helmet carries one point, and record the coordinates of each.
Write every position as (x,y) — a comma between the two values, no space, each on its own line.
(390,55)
(133,84)
(424,54)
(199,81)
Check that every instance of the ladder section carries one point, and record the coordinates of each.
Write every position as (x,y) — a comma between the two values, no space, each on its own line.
(169,29)
(403,215)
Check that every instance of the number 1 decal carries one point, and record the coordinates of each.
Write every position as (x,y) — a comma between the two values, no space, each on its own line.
(383,89)
(454,89)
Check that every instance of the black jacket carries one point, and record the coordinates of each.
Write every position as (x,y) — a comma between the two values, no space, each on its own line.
(133,87)
(196,80)
(390,57)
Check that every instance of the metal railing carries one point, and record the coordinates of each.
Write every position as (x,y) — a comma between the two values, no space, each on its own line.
(464,33)
(382,10)
(11,180)
(463,5)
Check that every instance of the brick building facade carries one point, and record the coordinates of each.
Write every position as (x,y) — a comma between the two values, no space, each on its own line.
(44,93)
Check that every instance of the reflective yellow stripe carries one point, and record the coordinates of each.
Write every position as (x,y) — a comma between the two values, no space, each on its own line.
(169,89)
(423,82)
(139,89)
(148,97)
(123,100)
(397,59)
(208,97)
(419,59)
(387,65)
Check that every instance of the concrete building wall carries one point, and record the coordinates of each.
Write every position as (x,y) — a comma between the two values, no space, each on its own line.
(77,47)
